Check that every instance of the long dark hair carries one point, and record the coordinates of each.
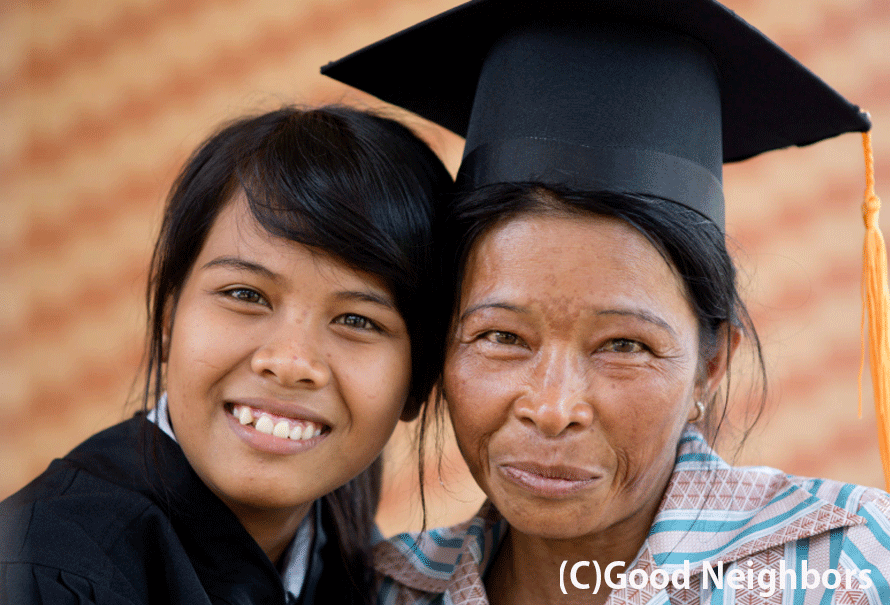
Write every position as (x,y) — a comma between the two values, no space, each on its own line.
(692,244)
(353,184)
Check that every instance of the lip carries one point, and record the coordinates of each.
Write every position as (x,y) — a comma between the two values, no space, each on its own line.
(548,481)
(294,411)
(269,443)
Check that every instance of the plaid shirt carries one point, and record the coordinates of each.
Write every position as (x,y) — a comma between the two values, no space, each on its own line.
(712,517)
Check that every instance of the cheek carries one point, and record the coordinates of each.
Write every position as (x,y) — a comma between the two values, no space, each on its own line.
(466,391)
(469,376)
(201,341)
(186,367)
(478,403)
(375,388)
(644,432)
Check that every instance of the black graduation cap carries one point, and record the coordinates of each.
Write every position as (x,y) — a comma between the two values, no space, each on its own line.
(641,96)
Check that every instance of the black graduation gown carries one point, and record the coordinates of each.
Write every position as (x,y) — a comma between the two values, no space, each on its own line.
(107,524)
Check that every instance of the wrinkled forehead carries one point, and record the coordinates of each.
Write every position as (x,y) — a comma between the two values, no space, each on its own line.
(559,254)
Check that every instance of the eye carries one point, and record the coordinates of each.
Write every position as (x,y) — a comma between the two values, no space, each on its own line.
(502,338)
(359,322)
(247,295)
(623,345)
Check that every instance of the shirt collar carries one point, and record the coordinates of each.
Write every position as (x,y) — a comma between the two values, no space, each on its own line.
(714,512)
(295,561)
(434,560)
(161,416)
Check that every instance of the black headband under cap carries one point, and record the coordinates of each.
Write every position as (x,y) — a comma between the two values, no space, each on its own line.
(633,96)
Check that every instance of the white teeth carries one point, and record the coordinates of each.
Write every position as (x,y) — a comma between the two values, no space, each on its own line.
(282,429)
(265,425)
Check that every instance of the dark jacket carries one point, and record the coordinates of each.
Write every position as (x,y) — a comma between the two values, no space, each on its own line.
(124,519)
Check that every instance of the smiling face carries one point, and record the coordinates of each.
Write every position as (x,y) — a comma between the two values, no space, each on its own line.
(571,373)
(286,369)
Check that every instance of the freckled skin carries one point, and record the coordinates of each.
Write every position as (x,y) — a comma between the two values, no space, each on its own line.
(574,347)
(284,339)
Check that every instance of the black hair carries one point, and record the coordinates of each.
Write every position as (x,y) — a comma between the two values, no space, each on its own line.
(353,184)
(692,245)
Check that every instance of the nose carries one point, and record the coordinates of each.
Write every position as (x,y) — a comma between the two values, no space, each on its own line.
(292,359)
(557,398)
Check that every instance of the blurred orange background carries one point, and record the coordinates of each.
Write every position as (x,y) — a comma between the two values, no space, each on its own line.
(102,100)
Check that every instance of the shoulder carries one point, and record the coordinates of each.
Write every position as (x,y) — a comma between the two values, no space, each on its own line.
(802,533)
(818,509)
(79,500)
(67,505)
(713,512)
(869,506)
(834,546)
(836,536)
(75,529)
(865,544)
(702,480)
(850,497)
(420,567)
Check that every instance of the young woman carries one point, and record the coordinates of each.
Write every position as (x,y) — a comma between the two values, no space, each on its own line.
(285,342)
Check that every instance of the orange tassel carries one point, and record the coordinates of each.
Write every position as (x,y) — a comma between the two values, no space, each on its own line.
(876,307)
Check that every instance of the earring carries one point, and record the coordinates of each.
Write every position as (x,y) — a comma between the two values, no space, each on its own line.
(701,412)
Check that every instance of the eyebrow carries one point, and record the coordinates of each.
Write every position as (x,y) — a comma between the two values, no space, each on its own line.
(366,296)
(233,262)
(639,314)
(493,305)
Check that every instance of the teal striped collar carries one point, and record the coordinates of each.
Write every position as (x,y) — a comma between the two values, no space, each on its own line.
(714,512)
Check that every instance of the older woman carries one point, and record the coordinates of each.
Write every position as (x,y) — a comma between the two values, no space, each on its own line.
(596,312)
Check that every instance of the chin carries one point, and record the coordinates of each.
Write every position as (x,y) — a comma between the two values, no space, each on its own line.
(268,502)
(546,522)
(254,496)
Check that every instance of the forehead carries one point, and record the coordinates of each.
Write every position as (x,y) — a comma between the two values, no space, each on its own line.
(541,257)
(237,233)
(236,225)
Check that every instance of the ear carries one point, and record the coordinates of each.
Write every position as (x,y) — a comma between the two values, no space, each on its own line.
(715,368)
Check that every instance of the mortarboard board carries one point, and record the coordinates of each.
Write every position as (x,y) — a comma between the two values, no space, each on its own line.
(619,95)
(643,97)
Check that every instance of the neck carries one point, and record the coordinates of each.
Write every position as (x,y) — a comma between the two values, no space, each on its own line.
(527,568)
(272,530)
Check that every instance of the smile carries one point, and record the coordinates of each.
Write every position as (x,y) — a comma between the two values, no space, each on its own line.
(277,426)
